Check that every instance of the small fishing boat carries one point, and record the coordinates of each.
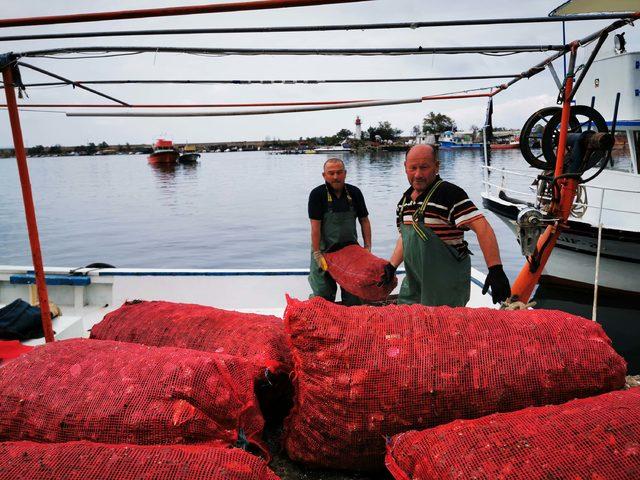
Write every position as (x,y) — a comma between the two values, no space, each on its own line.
(505,139)
(504,146)
(451,139)
(163,152)
(188,155)
(343,147)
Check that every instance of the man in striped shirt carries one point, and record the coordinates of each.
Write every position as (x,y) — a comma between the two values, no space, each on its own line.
(432,217)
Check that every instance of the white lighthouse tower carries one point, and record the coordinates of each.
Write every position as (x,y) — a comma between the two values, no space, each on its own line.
(358,134)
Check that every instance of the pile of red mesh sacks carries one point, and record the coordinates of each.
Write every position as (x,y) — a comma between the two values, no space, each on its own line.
(362,373)
(591,438)
(358,271)
(259,338)
(92,461)
(116,392)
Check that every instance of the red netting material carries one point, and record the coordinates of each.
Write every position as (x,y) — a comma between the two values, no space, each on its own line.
(366,372)
(594,438)
(358,271)
(94,461)
(116,392)
(252,336)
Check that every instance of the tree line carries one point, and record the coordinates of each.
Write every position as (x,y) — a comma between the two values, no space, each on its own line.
(88,149)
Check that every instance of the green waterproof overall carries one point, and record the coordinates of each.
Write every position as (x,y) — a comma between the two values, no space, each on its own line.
(437,273)
(337,228)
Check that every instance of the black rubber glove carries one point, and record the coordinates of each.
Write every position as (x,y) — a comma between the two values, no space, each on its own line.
(499,283)
(387,276)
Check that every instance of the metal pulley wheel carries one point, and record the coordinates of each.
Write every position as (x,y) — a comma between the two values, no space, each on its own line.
(531,137)
(583,119)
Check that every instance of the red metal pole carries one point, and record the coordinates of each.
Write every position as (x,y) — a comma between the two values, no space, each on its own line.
(27,198)
(167,11)
(527,280)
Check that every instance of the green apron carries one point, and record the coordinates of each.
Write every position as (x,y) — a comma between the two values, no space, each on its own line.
(337,228)
(437,273)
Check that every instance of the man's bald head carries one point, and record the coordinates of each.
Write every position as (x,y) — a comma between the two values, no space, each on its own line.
(422,152)
(332,161)
(421,166)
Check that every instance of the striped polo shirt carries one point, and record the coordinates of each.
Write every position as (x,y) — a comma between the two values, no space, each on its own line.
(448,212)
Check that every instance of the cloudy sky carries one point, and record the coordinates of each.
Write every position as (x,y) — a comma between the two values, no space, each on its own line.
(511,107)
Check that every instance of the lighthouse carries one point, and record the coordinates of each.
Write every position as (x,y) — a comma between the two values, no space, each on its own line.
(358,134)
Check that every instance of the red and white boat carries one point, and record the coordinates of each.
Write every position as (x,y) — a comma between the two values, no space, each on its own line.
(504,146)
(163,152)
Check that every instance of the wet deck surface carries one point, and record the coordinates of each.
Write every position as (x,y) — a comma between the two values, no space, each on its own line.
(286,469)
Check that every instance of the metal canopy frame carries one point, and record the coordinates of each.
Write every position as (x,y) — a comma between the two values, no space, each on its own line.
(290,107)
(10,62)
(316,28)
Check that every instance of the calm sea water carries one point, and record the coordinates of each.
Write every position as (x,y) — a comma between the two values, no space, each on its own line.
(231,210)
(236,210)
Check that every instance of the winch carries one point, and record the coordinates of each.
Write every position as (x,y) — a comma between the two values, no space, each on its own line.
(588,145)
(529,226)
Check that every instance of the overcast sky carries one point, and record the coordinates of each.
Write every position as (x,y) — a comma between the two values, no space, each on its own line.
(511,107)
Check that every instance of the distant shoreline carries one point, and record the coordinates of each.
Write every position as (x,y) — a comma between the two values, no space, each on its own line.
(402,143)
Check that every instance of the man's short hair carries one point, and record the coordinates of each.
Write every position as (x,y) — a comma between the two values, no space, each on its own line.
(332,160)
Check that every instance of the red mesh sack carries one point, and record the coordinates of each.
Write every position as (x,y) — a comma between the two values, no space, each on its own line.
(259,338)
(116,392)
(94,461)
(358,271)
(594,438)
(362,373)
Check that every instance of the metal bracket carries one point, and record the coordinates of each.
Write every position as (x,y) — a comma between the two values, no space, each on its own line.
(7,59)
(555,76)
(10,60)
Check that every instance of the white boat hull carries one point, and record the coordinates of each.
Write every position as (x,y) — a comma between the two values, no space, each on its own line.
(579,266)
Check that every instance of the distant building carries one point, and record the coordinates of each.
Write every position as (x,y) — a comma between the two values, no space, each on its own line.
(425,138)
(358,133)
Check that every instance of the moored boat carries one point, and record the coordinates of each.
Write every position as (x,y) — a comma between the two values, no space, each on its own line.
(163,152)
(343,147)
(332,149)
(188,154)
(504,146)
(451,139)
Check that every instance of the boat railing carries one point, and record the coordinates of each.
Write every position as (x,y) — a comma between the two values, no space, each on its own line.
(534,197)
(579,207)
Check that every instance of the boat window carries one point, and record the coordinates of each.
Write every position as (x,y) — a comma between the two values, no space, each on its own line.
(621,158)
